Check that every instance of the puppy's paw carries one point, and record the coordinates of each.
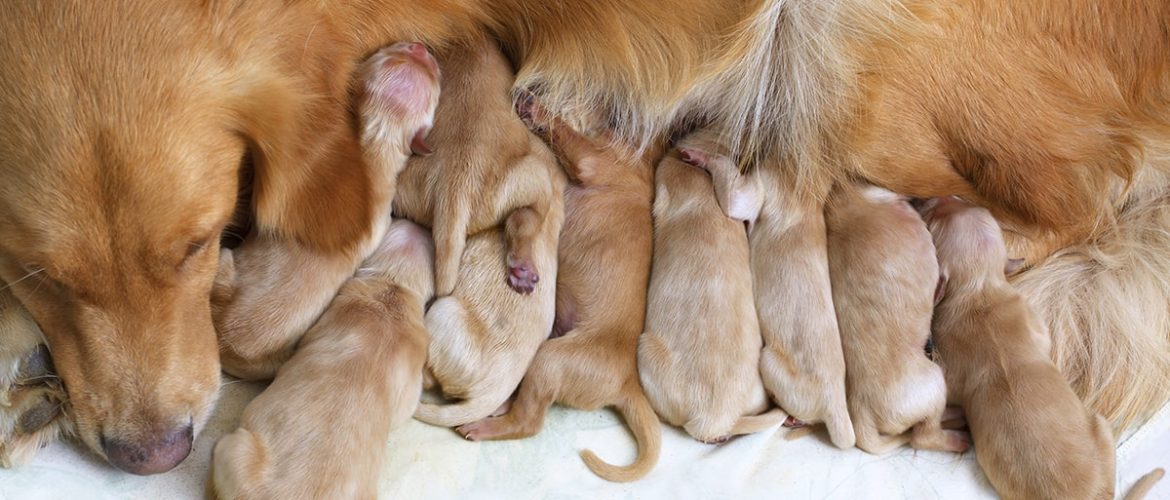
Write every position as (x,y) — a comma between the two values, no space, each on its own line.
(957,441)
(717,440)
(793,422)
(476,431)
(522,275)
(532,113)
(31,402)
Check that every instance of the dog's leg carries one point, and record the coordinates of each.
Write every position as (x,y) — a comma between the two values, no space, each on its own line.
(31,396)
(520,229)
(929,435)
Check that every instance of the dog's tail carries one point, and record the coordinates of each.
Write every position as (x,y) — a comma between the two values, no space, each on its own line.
(755,423)
(1144,484)
(456,414)
(1105,303)
(639,415)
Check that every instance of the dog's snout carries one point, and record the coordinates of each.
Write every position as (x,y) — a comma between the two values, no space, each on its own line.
(152,454)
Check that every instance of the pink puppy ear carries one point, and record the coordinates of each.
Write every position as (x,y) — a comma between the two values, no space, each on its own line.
(418,144)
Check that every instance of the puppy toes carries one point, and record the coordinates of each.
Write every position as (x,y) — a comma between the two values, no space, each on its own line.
(475,431)
(717,440)
(792,421)
(531,112)
(522,275)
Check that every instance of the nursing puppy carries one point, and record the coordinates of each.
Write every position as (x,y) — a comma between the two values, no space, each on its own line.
(1033,437)
(603,269)
(320,429)
(884,280)
(489,169)
(801,364)
(698,358)
(257,327)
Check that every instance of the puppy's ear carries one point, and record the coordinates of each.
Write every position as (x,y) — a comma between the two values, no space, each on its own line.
(1013,266)
(309,184)
(941,288)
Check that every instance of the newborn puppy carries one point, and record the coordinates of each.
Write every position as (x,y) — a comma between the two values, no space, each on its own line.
(484,335)
(320,429)
(252,291)
(699,356)
(488,170)
(603,269)
(1033,437)
(802,365)
(884,278)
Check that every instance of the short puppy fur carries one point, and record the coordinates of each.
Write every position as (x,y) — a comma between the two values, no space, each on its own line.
(884,279)
(320,429)
(1033,437)
(698,358)
(489,169)
(603,270)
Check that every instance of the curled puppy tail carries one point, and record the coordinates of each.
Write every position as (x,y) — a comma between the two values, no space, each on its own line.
(1144,484)
(643,422)
(755,423)
(237,466)
(463,412)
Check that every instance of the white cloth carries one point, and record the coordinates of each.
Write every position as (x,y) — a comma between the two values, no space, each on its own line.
(425,462)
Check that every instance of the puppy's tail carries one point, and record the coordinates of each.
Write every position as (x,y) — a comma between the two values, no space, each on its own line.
(237,465)
(464,412)
(756,423)
(639,415)
(840,428)
(1144,484)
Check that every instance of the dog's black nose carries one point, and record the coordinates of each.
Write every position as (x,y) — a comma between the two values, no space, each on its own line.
(153,454)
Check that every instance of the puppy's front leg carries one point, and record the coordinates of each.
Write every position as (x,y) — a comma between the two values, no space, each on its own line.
(520,229)
(450,235)
(31,396)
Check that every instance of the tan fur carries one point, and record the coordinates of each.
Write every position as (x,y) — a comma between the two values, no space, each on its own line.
(884,278)
(487,165)
(355,376)
(698,358)
(603,270)
(1033,437)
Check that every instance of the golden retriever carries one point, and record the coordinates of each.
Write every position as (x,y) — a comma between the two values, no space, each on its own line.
(129,121)
(884,278)
(603,270)
(699,356)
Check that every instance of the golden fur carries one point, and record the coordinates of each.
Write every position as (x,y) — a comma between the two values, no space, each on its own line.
(884,278)
(357,371)
(698,358)
(603,270)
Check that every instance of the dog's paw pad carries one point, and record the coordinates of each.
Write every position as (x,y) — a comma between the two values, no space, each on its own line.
(792,421)
(522,277)
(718,440)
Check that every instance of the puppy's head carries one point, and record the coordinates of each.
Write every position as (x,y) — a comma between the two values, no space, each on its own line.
(122,132)
(967,240)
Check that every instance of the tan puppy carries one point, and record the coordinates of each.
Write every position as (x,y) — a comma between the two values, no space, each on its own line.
(1033,437)
(801,364)
(884,281)
(251,300)
(698,359)
(603,269)
(489,170)
(320,429)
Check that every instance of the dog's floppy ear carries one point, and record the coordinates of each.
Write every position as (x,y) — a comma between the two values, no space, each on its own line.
(309,182)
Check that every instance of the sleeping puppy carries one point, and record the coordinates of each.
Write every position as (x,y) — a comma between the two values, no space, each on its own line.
(603,269)
(1033,437)
(489,170)
(698,358)
(251,299)
(801,364)
(365,356)
(884,280)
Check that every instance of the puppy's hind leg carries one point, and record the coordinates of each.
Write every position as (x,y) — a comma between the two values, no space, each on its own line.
(520,230)
(524,418)
(870,440)
(929,435)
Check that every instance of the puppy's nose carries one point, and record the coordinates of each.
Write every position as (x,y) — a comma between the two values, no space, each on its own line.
(156,453)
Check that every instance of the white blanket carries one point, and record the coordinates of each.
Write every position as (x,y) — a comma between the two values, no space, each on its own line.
(425,462)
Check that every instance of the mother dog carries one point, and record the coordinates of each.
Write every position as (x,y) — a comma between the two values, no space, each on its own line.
(126,126)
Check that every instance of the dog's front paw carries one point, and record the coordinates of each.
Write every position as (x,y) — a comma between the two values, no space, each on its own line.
(31,404)
(522,275)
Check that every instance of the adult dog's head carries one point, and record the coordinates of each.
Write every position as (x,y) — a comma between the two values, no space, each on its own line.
(123,128)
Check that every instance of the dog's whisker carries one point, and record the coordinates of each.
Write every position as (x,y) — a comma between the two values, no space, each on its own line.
(27,276)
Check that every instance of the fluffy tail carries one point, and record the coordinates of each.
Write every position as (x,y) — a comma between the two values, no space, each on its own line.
(1105,303)
(1143,485)
(756,423)
(463,412)
(639,415)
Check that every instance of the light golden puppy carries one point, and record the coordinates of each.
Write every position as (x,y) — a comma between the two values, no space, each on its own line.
(603,269)
(489,169)
(1034,438)
(884,279)
(320,429)
(802,365)
(251,299)
(699,356)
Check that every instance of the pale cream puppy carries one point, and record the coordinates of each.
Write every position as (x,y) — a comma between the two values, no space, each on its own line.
(884,278)
(320,429)
(1033,437)
(699,356)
